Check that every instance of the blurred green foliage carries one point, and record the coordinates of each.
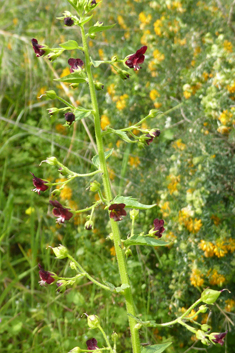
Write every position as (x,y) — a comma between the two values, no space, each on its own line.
(188,171)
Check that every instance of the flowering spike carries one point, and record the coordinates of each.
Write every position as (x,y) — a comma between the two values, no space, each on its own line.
(134,60)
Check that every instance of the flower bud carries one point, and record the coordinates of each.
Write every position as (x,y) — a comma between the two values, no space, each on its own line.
(61,252)
(93,321)
(205,327)
(202,309)
(89,225)
(114,58)
(51,161)
(51,94)
(134,214)
(138,326)
(72,265)
(209,296)
(98,86)
(128,253)
(114,336)
(56,192)
(68,21)
(51,111)
(95,186)
(124,74)
(201,336)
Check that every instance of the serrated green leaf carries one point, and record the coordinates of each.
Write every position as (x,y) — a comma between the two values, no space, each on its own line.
(75,77)
(81,113)
(122,288)
(142,240)
(95,29)
(96,160)
(96,63)
(156,348)
(121,134)
(132,203)
(70,45)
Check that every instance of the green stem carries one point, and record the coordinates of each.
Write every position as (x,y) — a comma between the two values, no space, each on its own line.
(108,194)
(106,338)
(81,269)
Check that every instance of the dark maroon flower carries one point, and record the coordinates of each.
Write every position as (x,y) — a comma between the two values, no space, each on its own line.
(151,136)
(69,117)
(37,47)
(75,64)
(134,60)
(92,344)
(46,277)
(68,21)
(39,184)
(220,338)
(117,211)
(93,2)
(62,214)
(158,227)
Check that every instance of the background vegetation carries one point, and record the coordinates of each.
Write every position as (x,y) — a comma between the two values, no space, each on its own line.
(189,171)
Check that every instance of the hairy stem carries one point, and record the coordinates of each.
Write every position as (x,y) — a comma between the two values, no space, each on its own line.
(108,194)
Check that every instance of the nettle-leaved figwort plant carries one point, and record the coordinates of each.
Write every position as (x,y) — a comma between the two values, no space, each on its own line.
(81,72)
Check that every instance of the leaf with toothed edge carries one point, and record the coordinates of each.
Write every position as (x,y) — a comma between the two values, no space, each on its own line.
(130,202)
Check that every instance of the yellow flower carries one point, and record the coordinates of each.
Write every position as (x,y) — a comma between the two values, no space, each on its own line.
(144,19)
(157,27)
(104,121)
(121,103)
(225,117)
(187,94)
(101,54)
(231,88)
(157,105)
(41,91)
(144,38)
(224,130)
(194,225)
(112,173)
(66,193)
(196,278)
(112,251)
(191,314)
(174,180)
(207,247)
(65,72)
(30,210)
(158,55)
(121,22)
(214,218)
(230,304)
(205,76)
(216,278)
(231,244)
(15,21)
(178,144)
(154,94)
(134,161)
(61,129)
(228,46)
(220,248)
(165,209)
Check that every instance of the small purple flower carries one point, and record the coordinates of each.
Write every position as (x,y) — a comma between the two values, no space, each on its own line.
(75,64)
(46,277)
(68,21)
(39,184)
(93,2)
(220,338)
(151,136)
(37,48)
(158,227)
(62,214)
(69,117)
(117,211)
(92,344)
(134,60)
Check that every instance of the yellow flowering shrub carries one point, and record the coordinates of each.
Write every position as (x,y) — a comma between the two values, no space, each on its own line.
(196,278)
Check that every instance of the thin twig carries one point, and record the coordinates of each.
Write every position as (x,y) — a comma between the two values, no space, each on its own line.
(231,14)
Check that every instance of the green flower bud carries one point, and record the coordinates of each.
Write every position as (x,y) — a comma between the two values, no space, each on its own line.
(89,225)
(93,321)
(51,94)
(138,326)
(56,192)
(114,336)
(98,85)
(153,113)
(124,74)
(94,186)
(202,309)
(134,214)
(51,161)
(209,296)
(201,336)
(114,58)
(206,327)
(72,265)
(61,252)
(128,253)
